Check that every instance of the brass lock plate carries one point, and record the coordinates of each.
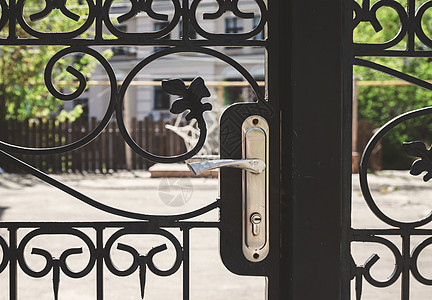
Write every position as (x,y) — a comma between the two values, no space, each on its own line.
(255,141)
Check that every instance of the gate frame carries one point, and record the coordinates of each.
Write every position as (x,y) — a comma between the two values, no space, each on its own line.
(315,145)
(314,186)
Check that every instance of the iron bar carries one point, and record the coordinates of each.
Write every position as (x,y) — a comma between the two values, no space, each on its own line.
(186,263)
(99,16)
(406,254)
(410,34)
(99,262)
(13,275)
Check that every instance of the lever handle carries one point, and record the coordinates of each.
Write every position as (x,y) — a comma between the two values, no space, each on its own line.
(255,166)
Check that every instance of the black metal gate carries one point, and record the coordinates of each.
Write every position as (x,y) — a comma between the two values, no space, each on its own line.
(101,237)
(301,239)
(405,240)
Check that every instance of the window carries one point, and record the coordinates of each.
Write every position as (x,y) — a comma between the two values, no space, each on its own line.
(192,32)
(119,51)
(233,25)
(260,35)
(124,50)
(161,99)
(158,27)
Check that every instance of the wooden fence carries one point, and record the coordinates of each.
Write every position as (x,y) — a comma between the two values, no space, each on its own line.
(365,131)
(108,152)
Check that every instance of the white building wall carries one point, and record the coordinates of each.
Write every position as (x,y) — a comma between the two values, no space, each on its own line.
(185,65)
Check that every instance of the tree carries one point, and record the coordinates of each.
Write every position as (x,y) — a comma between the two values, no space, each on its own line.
(381,104)
(23,93)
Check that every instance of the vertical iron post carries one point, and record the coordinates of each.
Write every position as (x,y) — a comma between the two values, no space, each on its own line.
(310,61)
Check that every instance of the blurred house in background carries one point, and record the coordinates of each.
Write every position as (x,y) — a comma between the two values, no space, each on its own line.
(145,96)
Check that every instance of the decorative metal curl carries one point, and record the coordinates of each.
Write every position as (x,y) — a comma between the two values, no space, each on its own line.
(56,264)
(228,5)
(48,81)
(50,5)
(418,24)
(392,72)
(5,148)
(65,97)
(99,15)
(201,123)
(141,262)
(364,271)
(231,5)
(410,24)
(5,254)
(142,6)
(414,261)
(98,205)
(380,133)
(364,164)
(137,6)
(366,13)
(4,14)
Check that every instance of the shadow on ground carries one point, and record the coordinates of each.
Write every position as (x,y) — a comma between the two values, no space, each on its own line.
(2,209)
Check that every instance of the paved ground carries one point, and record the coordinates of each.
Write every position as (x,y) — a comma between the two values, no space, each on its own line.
(28,199)
(23,198)
(402,197)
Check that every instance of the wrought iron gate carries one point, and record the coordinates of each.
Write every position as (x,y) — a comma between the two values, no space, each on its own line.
(310,235)
(261,259)
(405,240)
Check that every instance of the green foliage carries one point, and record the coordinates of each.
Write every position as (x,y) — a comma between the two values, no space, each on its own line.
(23,93)
(380,104)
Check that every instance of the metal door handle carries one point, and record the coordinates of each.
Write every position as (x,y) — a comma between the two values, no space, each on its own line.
(255,166)
(255,194)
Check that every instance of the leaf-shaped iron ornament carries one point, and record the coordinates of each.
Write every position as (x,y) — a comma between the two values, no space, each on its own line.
(190,98)
(418,149)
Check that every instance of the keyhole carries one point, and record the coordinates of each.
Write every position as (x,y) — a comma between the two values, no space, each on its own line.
(255,220)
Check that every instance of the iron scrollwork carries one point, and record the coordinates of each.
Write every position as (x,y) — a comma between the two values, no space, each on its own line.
(412,41)
(142,262)
(405,262)
(54,4)
(224,6)
(19,28)
(137,7)
(99,254)
(364,271)
(56,264)
(5,254)
(98,12)
(49,7)
(142,6)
